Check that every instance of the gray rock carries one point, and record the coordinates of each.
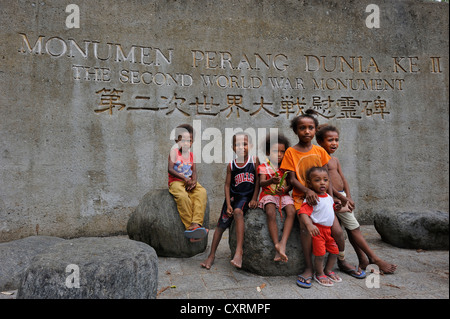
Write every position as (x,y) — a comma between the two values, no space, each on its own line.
(259,249)
(105,268)
(16,257)
(415,230)
(156,222)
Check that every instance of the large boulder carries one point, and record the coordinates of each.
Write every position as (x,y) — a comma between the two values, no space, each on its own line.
(156,222)
(259,249)
(415,230)
(94,268)
(16,255)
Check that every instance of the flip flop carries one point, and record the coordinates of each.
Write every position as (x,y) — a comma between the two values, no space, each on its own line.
(303,283)
(321,283)
(196,233)
(352,272)
(333,274)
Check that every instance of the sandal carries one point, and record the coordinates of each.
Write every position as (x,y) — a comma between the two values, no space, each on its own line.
(302,281)
(196,233)
(323,277)
(333,274)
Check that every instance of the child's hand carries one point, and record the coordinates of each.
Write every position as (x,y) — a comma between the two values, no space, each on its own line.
(338,204)
(229,210)
(351,204)
(311,197)
(280,191)
(337,207)
(313,230)
(190,184)
(253,204)
(344,201)
(276,180)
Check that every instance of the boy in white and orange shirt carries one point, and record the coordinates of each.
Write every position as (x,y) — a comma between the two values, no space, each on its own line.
(318,220)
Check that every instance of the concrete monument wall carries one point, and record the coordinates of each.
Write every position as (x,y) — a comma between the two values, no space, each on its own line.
(91,90)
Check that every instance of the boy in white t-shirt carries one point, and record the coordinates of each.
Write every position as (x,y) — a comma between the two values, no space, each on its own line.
(318,220)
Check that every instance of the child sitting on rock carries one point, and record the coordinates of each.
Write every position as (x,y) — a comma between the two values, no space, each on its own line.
(188,194)
(275,197)
(241,193)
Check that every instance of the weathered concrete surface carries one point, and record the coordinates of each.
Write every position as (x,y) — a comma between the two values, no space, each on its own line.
(92,268)
(157,223)
(86,112)
(225,282)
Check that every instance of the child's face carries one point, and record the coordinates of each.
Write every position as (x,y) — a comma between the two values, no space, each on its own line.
(306,130)
(330,142)
(276,153)
(185,142)
(319,181)
(240,146)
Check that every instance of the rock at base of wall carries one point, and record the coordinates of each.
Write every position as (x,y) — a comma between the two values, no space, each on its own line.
(259,250)
(92,268)
(156,222)
(16,256)
(414,230)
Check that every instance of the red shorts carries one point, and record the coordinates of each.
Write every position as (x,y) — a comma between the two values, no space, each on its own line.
(324,242)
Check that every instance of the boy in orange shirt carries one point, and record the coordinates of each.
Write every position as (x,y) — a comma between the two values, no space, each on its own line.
(297,160)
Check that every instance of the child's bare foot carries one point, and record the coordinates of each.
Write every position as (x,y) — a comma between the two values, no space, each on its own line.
(237,261)
(208,262)
(281,253)
(385,267)
(277,257)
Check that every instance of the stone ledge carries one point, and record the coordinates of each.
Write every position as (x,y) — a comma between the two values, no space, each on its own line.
(259,249)
(16,256)
(108,268)
(157,223)
(414,230)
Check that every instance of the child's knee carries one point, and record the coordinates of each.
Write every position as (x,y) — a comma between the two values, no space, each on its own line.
(338,234)
(201,191)
(290,211)
(183,197)
(238,213)
(301,222)
(270,210)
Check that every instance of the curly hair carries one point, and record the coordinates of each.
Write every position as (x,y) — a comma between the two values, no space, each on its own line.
(306,114)
(180,129)
(280,139)
(322,131)
(313,169)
